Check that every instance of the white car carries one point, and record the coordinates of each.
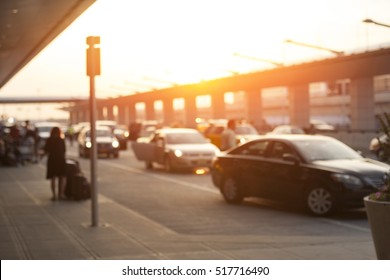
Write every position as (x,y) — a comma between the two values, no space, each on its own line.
(176,148)
(287,129)
(106,142)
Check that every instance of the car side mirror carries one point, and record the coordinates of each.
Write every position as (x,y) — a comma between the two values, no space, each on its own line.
(291,158)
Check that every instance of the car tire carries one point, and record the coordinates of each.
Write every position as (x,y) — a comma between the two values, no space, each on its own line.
(168,164)
(148,165)
(231,192)
(320,201)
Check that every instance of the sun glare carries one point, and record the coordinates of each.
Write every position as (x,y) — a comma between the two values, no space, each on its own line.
(182,42)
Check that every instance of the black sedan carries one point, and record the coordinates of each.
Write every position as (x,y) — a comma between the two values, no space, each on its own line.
(319,172)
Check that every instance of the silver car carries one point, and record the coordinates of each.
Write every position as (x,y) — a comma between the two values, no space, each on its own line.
(176,148)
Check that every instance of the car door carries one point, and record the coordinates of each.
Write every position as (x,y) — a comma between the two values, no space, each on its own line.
(250,165)
(282,174)
(160,142)
(145,151)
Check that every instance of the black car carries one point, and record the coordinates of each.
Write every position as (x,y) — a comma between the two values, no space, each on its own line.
(319,172)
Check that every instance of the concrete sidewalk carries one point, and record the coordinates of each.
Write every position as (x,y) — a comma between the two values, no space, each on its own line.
(34,227)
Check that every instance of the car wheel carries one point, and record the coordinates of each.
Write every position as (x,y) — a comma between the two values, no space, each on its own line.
(231,192)
(168,164)
(320,201)
(148,165)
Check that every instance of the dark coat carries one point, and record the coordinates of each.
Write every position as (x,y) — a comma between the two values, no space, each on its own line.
(55,149)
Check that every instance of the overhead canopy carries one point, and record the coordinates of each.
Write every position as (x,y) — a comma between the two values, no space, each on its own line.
(28,26)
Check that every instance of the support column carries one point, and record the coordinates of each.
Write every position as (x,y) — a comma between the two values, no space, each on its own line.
(254,105)
(110,113)
(121,114)
(299,105)
(81,115)
(100,114)
(149,110)
(168,112)
(131,113)
(73,117)
(362,104)
(190,111)
(218,110)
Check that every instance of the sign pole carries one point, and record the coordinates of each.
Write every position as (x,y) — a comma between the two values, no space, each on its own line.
(93,69)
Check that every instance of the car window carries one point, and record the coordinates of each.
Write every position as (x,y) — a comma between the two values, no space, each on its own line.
(328,149)
(278,149)
(256,148)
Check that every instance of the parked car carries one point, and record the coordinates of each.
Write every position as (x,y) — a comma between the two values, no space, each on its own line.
(122,134)
(176,148)
(106,141)
(318,126)
(244,133)
(318,172)
(44,129)
(376,148)
(287,129)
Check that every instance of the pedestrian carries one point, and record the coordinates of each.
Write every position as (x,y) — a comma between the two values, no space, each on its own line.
(31,141)
(70,134)
(228,137)
(55,150)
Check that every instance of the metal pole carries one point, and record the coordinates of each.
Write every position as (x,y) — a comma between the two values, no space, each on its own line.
(93,155)
(338,53)
(368,20)
(91,60)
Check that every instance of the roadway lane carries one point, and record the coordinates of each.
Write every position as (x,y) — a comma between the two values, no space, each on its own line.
(188,204)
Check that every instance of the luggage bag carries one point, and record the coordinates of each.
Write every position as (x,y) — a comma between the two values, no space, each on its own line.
(77,185)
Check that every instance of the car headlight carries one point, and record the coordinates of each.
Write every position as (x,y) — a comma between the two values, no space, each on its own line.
(115,144)
(88,144)
(178,153)
(349,181)
(242,140)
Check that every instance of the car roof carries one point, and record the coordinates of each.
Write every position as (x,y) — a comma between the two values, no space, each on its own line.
(294,137)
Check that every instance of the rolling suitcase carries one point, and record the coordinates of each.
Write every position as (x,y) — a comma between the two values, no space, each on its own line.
(77,185)
(81,188)
(72,169)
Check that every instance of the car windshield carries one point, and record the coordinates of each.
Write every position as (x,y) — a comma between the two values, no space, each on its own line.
(325,149)
(185,138)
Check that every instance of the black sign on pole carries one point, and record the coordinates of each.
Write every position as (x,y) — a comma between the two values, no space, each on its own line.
(93,69)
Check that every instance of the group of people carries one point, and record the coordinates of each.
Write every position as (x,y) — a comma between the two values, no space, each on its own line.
(14,137)
(18,144)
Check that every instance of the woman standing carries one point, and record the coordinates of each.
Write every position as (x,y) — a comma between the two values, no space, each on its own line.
(55,149)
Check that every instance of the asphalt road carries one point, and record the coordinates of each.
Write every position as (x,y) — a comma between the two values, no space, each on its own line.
(189,204)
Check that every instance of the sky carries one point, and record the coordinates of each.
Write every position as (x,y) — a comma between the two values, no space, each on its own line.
(154,44)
